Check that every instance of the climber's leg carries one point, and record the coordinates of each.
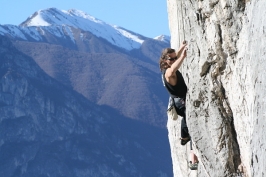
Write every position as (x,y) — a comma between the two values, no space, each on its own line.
(184,130)
(193,164)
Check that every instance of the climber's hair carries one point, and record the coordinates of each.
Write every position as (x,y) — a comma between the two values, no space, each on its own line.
(162,62)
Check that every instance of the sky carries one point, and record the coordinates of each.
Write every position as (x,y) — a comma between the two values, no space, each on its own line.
(146,17)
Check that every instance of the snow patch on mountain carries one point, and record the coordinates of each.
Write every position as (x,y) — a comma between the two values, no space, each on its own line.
(13,31)
(33,32)
(163,38)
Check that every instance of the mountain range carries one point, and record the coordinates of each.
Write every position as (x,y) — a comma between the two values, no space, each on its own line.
(80,97)
(107,64)
(48,129)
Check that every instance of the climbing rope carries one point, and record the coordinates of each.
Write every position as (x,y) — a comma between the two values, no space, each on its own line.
(181,40)
(184,38)
(181,22)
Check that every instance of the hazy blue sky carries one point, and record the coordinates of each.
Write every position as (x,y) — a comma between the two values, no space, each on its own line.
(146,17)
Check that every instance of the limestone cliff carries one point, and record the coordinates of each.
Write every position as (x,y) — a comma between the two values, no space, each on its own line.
(224,72)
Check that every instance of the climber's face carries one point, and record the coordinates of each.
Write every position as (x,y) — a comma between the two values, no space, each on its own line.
(172,58)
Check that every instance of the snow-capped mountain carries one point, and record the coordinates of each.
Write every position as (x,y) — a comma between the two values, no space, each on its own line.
(128,81)
(62,23)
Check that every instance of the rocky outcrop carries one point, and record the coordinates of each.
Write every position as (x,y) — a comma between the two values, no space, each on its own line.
(224,72)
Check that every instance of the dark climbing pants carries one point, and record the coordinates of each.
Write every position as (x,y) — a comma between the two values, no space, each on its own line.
(184,129)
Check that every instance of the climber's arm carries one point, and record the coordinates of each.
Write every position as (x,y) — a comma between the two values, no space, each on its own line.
(170,73)
(180,50)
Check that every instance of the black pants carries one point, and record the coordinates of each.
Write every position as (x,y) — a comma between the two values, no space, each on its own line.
(184,129)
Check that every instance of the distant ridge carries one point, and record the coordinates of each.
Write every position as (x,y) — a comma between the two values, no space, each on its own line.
(60,22)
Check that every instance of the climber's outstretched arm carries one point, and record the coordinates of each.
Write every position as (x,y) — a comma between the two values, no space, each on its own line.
(180,50)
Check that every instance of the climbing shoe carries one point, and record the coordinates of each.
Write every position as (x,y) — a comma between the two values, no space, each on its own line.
(184,141)
(193,166)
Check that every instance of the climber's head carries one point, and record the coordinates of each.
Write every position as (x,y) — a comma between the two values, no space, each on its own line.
(168,57)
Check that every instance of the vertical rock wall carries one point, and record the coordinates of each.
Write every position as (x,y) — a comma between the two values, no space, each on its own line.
(225,73)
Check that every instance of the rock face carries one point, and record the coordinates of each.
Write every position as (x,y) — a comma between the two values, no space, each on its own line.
(225,74)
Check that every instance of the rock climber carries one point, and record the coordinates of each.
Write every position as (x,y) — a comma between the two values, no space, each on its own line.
(173,80)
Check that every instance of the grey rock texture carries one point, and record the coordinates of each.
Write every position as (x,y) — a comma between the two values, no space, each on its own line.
(225,74)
